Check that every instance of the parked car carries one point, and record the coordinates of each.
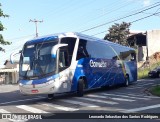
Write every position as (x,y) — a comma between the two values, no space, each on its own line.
(155,73)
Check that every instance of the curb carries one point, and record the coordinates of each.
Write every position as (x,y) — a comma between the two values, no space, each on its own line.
(147,91)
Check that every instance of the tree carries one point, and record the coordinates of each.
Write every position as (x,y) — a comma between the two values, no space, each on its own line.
(118,33)
(2,41)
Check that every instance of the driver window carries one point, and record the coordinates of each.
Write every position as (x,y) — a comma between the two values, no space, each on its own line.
(63,59)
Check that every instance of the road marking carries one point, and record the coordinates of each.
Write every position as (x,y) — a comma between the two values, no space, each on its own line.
(141,80)
(79,103)
(144,84)
(152,80)
(60,107)
(31,109)
(22,100)
(122,99)
(91,95)
(144,80)
(4,111)
(100,101)
(139,86)
(125,96)
(141,109)
(134,87)
(145,97)
(119,99)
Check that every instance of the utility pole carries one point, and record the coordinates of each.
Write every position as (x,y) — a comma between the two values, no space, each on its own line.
(36,21)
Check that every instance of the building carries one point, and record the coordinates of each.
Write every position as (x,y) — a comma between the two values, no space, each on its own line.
(147,43)
(9,74)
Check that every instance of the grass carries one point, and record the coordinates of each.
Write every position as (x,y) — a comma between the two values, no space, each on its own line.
(143,73)
(155,90)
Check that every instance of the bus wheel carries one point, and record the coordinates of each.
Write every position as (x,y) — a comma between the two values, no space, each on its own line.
(159,75)
(50,96)
(126,81)
(80,88)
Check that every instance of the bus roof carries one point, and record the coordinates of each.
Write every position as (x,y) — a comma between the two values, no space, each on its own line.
(75,35)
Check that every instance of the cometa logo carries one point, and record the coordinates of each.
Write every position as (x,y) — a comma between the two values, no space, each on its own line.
(97,64)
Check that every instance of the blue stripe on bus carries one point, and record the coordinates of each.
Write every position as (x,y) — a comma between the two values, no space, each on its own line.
(42,39)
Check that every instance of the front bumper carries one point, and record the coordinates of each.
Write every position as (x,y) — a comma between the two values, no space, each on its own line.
(44,88)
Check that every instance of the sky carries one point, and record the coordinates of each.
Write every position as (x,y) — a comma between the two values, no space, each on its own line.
(72,16)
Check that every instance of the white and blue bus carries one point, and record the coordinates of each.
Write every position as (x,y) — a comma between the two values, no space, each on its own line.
(73,62)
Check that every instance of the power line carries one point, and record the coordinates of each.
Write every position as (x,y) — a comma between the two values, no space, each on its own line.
(131,22)
(112,10)
(70,9)
(15,45)
(145,17)
(105,13)
(121,18)
(19,39)
(74,10)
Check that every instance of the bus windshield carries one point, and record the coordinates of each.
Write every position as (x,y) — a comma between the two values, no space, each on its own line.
(36,60)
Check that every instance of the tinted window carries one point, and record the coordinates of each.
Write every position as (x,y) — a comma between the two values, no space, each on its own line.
(82,51)
(70,48)
(94,49)
(63,58)
(36,59)
(100,50)
(125,54)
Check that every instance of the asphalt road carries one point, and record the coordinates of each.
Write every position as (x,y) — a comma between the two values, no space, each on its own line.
(133,101)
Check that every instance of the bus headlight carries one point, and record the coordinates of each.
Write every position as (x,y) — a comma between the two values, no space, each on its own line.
(50,82)
(20,84)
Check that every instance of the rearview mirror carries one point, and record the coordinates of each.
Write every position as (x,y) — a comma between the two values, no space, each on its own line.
(13,55)
(55,48)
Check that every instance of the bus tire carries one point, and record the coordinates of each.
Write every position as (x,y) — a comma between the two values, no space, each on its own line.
(80,88)
(126,81)
(50,96)
(158,74)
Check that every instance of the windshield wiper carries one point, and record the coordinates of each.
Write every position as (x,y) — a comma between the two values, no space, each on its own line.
(25,75)
(37,65)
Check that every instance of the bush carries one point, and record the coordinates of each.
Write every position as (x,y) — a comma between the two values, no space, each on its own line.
(143,73)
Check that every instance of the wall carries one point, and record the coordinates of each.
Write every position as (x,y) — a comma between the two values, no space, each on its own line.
(153,41)
(11,73)
(12,66)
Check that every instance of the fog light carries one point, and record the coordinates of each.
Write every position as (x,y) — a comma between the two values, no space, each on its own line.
(51,89)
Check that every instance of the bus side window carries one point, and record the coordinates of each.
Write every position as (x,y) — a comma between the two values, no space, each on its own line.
(82,51)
